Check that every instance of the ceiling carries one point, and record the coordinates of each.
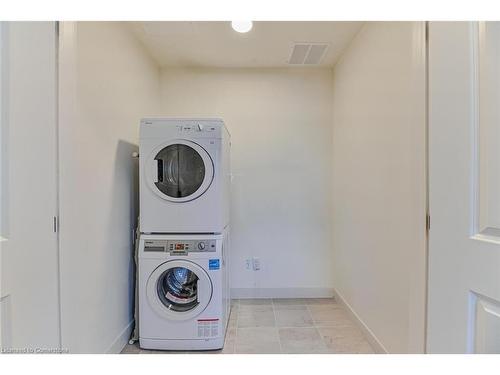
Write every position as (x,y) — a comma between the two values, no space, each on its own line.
(216,44)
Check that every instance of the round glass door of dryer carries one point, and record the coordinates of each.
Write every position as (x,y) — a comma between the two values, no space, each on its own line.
(181,171)
(179,289)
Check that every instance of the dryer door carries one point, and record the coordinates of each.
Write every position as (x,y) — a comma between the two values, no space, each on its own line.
(179,290)
(179,171)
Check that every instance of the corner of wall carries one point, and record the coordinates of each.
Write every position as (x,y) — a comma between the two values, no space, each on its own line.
(121,340)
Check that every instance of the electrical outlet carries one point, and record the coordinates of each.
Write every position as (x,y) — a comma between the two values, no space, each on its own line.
(248,264)
(256,264)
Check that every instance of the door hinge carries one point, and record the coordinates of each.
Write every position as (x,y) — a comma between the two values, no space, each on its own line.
(428,222)
(56,224)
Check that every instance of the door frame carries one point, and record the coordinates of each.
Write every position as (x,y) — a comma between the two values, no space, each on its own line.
(419,116)
(2,124)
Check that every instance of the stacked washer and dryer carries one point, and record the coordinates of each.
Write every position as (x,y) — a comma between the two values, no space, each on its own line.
(184,223)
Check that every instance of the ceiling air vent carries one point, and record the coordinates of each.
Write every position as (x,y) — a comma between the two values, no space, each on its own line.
(307,53)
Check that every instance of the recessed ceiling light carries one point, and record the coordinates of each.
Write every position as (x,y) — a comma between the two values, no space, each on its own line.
(242,26)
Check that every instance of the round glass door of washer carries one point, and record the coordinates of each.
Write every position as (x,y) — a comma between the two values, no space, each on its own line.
(179,289)
(180,171)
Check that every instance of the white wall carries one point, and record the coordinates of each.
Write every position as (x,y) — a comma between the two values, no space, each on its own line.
(114,84)
(379,182)
(280,125)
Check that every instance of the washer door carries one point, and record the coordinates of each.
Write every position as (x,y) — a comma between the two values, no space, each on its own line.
(179,171)
(179,290)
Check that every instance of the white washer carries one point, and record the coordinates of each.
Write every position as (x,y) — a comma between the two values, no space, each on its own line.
(184,176)
(183,291)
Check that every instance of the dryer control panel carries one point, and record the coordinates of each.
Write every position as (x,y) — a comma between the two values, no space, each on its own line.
(180,247)
(199,127)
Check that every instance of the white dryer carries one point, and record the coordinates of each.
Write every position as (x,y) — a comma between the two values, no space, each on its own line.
(183,291)
(184,176)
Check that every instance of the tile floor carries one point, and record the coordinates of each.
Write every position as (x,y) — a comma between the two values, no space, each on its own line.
(299,326)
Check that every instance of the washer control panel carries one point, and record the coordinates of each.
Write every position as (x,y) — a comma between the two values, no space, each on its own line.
(180,247)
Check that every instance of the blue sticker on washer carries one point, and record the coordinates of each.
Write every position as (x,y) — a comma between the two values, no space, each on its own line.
(213,264)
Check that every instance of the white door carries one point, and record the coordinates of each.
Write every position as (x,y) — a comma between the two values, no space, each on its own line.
(464,196)
(29,304)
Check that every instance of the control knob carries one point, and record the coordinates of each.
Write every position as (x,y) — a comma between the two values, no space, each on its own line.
(201,245)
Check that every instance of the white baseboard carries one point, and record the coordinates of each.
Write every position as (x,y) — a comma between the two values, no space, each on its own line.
(121,340)
(246,293)
(370,336)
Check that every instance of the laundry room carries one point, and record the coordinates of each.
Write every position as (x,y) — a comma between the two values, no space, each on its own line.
(325,127)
